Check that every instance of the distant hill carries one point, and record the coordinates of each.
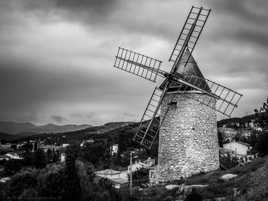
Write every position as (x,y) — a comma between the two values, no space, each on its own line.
(8,137)
(24,129)
(244,119)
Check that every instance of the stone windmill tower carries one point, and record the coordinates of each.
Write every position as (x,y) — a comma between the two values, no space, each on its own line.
(186,103)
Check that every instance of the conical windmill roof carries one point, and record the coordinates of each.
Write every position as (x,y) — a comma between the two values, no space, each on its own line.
(190,69)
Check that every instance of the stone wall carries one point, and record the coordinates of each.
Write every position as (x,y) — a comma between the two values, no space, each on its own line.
(188,142)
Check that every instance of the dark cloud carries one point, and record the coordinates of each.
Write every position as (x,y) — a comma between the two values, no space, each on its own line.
(28,90)
(253,11)
(97,6)
(58,119)
(253,36)
(243,20)
(111,15)
(56,56)
(93,11)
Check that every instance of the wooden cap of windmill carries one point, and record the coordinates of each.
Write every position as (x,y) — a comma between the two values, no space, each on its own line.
(191,69)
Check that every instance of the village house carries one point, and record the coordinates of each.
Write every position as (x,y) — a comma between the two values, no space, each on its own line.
(84,142)
(114,149)
(228,134)
(4,179)
(245,133)
(238,148)
(120,178)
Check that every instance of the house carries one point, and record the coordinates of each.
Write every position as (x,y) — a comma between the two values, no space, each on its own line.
(153,179)
(136,166)
(149,162)
(65,145)
(246,133)
(6,147)
(4,158)
(114,149)
(62,157)
(118,178)
(84,142)
(228,134)
(14,156)
(239,148)
(52,147)
(4,179)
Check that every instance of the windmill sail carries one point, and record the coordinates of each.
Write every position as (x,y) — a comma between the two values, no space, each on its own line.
(226,99)
(146,134)
(184,76)
(137,64)
(190,33)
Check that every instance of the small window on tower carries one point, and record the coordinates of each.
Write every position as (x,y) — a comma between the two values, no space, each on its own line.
(173,103)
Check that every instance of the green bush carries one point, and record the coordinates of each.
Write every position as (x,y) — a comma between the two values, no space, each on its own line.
(262,142)
(26,179)
(140,176)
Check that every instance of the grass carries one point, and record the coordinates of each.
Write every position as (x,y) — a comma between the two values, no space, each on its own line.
(251,180)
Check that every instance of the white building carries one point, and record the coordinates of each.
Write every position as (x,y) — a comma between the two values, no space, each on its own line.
(14,156)
(114,149)
(237,147)
(65,145)
(84,142)
(4,179)
(62,157)
(118,178)
(5,146)
(149,162)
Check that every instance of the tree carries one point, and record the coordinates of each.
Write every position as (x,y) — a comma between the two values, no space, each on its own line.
(194,196)
(72,188)
(28,147)
(95,153)
(39,159)
(106,192)
(26,179)
(51,180)
(49,155)
(29,194)
(140,176)
(261,115)
(13,166)
(262,142)
(264,107)
(85,171)
(220,138)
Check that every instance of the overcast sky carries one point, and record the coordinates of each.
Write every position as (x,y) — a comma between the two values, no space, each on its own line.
(56,56)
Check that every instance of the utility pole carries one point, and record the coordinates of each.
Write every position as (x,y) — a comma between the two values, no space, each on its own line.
(130,177)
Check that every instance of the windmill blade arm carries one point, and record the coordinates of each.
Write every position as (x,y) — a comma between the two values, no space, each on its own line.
(146,134)
(189,34)
(138,64)
(226,99)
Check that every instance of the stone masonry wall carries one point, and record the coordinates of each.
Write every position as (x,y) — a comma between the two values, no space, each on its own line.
(188,142)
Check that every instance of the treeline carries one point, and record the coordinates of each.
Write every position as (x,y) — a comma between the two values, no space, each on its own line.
(72,181)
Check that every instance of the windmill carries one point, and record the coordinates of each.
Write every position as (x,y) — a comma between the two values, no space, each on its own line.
(182,110)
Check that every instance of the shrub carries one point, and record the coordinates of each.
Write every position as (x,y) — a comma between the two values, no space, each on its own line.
(26,179)
(140,176)
(261,145)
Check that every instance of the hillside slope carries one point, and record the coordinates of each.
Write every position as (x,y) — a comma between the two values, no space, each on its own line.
(24,129)
(251,182)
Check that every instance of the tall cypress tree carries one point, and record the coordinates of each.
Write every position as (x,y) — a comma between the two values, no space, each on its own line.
(72,188)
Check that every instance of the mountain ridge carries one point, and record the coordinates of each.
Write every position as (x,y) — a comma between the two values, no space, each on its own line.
(24,128)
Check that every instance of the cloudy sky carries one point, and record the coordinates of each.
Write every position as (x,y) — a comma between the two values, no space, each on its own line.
(56,56)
